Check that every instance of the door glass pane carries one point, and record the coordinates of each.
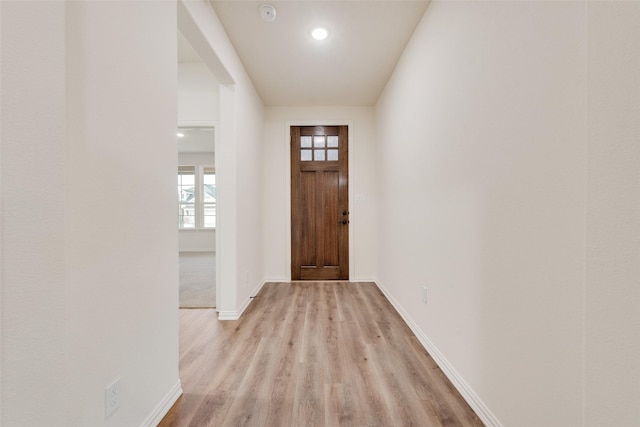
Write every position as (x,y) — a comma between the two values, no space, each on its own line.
(305,141)
(318,155)
(318,141)
(332,141)
(305,155)
(332,154)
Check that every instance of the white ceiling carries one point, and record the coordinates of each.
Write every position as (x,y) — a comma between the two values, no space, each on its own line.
(349,68)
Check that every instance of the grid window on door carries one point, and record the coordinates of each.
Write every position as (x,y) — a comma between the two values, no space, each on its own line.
(319,148)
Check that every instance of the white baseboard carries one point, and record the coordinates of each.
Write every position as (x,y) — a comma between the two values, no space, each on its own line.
(362,280)
(235,314)
(469,395)
(164,406)
(276,279)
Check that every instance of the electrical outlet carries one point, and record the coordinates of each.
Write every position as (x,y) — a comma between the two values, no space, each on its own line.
(112,398)
(424,294)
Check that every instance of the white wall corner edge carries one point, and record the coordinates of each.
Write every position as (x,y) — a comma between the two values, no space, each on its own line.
(236,314)
(479,407)
(164,406)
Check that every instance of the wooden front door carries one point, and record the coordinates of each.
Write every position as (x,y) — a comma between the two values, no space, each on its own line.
(319,203)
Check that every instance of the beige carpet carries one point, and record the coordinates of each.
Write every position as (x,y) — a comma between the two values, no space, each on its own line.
(197,279)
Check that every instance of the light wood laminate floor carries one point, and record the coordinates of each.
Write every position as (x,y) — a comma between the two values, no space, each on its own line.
(311,354)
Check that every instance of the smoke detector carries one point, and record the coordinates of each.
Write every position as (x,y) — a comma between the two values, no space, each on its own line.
(268,12)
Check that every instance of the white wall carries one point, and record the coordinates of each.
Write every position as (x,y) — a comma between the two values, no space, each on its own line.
(481,166)
(89,268)
(277,186)
(198,94)
(35,351)
(239,152)
(197,240)
(612,352)
(1,222)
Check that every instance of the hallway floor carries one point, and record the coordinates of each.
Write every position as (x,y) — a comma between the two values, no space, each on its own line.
(311,354)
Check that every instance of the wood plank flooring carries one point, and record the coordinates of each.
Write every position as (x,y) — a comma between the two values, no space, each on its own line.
(311,354)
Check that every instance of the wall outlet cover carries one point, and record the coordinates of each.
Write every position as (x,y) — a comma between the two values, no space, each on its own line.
(112,398)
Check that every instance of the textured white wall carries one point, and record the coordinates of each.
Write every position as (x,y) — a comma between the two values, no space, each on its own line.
(277,192)
(35,353)
(481,166)
(89,239)
(612,327)
(122,257)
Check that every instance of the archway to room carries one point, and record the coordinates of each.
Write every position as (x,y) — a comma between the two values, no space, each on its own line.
(196,216)
(198,114)
(211,75)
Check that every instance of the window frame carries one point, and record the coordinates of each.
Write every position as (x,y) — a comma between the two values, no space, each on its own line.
(198,204)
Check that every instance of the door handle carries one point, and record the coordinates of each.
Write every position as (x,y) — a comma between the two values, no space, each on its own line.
(344,212)
(344,221)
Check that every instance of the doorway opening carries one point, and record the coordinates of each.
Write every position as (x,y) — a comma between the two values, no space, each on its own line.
(197,218)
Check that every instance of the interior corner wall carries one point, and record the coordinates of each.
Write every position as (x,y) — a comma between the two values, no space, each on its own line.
(238,160)
(612,329)
(89,275)
(276,186)
(481,175)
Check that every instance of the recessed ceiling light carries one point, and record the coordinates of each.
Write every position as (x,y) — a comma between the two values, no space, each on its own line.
(180,135)
(319,33)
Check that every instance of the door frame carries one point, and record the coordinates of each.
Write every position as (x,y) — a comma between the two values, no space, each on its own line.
(287,172)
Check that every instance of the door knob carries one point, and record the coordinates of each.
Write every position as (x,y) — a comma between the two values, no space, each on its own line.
(344,221)
(344,212)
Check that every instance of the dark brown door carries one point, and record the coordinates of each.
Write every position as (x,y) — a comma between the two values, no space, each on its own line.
(319,203)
